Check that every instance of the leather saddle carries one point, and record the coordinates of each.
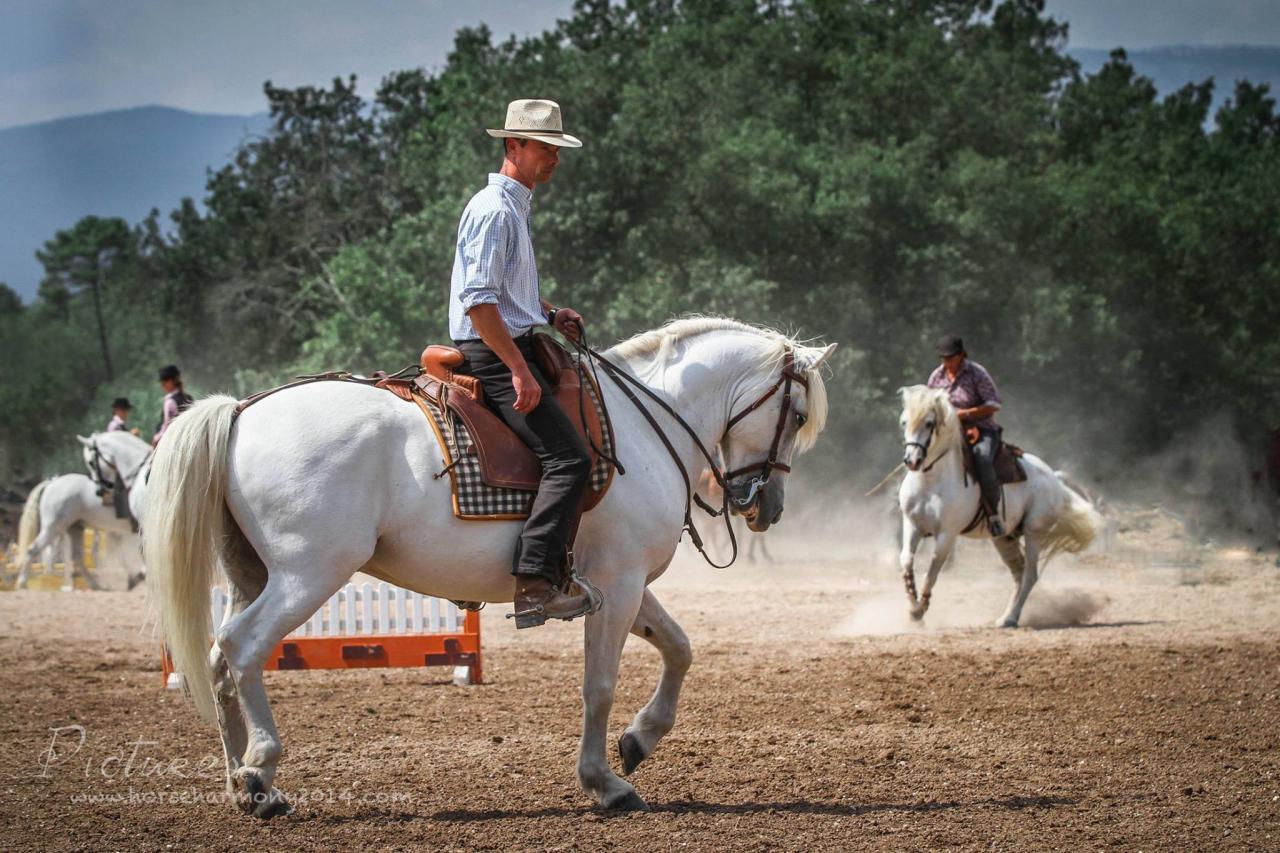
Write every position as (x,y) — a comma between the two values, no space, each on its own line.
(506,461)
(1008,463)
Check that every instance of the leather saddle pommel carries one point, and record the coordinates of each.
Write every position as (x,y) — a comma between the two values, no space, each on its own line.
(439,362)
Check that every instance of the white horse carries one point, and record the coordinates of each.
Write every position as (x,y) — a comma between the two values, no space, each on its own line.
(938,500)
(119,461)
(59,509)
(318,482)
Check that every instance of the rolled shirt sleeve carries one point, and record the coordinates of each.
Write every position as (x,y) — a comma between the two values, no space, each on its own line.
(483,245)
(985,387)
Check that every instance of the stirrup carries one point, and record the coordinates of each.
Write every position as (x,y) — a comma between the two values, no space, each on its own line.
(535,616)
(594,596)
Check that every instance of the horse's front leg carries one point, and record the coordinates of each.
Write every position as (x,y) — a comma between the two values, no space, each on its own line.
(943,544)
(68,549)
(655,719)
(911,537)
(605,633)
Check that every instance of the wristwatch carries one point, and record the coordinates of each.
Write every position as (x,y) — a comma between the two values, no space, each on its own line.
(551,316)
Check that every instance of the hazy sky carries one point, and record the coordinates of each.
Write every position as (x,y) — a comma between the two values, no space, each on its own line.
(64,57)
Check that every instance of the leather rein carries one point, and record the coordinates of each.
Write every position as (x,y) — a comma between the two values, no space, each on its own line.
(623,379)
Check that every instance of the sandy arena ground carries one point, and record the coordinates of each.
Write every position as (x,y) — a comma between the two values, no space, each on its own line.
(1141,711)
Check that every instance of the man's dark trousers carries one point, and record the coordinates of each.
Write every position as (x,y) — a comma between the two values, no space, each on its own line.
(984,459)
(566,465)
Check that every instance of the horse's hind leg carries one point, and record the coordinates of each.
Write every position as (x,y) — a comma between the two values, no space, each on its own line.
(1023,567)
(246,577)
(292,593)
(655,719)
(1010,551)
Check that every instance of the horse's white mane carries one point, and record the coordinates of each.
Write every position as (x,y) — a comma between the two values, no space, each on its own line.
(920,401)
(658,345)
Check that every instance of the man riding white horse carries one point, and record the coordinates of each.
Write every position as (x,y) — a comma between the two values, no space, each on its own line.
(975,398)
(494,307)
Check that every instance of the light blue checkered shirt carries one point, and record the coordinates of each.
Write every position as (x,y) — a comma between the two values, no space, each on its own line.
(494,261)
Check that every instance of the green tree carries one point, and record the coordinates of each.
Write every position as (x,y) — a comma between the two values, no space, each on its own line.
(80,259)
(10,301)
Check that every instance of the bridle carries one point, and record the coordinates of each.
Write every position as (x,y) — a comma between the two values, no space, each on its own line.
(924,450)
(590,357)
(788,376)
(95,469)
(100,480)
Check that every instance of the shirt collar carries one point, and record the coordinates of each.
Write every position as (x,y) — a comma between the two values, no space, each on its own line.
(518,191)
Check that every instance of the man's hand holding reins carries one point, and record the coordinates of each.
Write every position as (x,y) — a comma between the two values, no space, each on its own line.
(568,322)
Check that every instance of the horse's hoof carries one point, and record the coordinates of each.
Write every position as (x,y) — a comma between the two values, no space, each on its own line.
(631,752)
(275,805)
(917,614)
(254,798)
(1006,623)
(630,802)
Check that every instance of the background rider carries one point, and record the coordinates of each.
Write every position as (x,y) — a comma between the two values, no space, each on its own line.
(974,395)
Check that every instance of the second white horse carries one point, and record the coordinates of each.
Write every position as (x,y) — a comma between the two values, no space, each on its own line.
(938,500)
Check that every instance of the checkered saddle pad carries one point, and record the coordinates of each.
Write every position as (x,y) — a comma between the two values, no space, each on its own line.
(475,499)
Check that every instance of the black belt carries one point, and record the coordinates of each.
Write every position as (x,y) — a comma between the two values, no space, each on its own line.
(526,337)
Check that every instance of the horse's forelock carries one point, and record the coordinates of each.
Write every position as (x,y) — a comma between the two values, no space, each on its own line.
(920,401)
(816,415)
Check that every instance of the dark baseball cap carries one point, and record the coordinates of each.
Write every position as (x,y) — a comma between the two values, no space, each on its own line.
(121,403)
(949,345)
(170,371)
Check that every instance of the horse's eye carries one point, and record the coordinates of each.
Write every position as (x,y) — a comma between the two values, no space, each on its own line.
(801,419)
(929,424)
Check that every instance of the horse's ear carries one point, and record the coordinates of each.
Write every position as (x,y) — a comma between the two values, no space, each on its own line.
(823,355)
(87,442)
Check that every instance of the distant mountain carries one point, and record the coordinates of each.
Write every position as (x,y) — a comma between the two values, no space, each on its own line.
(1171,68)
(120,163)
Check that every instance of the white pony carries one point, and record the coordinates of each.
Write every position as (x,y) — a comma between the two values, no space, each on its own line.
(938,500)
(313,484)
(62,507)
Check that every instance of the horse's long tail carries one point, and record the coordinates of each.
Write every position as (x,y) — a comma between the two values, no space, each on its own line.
(29,525)
(1076,526)
(183,533)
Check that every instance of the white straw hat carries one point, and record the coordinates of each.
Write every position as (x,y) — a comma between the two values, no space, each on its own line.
(532,118)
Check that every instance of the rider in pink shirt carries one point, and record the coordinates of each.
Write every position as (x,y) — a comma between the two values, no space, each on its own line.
(176,400)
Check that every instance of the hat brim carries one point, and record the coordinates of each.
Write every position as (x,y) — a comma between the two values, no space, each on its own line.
(563,140)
